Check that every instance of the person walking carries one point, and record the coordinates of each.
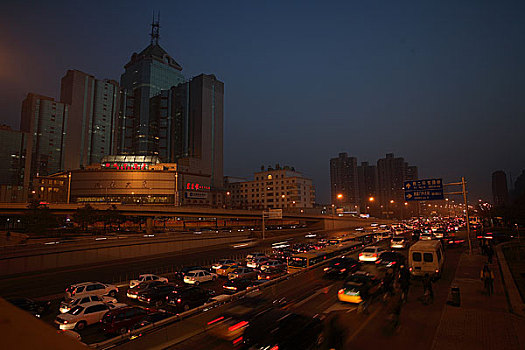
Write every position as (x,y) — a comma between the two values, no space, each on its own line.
(487,276)
(404,282)
(427,289)
(490,253)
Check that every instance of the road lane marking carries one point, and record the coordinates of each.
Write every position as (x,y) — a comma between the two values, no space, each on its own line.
(323,290)
(340,307)
(362,326)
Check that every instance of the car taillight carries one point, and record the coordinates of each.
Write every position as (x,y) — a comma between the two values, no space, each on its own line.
(341,291)
(167,298)
(374,255)
(216,320)
(267,277)
(237,341)
(65,321)
(237,326)
(179,300)
(343,270)
(360,254)
(410,269)
(149,300)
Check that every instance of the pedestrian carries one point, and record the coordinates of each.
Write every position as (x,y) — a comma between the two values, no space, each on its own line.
(404,282)
(487,276)
(388,282)
(490,253)
(427,289)
(365,296)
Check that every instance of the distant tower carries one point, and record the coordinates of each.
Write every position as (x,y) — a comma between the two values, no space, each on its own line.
(155,29)
(500,191)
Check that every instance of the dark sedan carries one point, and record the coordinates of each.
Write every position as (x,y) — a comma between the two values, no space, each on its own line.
(156,295)
(183,299)
(391,259)
(36,308)
(341,267)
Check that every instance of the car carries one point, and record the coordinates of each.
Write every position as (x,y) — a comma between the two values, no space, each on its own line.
(233,322)
(66,306)
(185,298)
(156,295)
(197,277)
(426,236)
(340,267)
(370,254)
(122,320)
(354,285)
(398,243)
(256,263)
(278,329)
(272,264)
(236,285)
(180,274)
(391,259)
(219,264)
(270,274)
(151,318)
(146,277)
(243,272)
(35,308)
(254,255)
(226,269)
(79,290)
(440,233)
(84,315)
(133,293)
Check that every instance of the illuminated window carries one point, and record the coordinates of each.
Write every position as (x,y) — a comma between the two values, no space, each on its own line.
(269,176)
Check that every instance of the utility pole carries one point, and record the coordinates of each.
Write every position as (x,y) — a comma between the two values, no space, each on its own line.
(464,187)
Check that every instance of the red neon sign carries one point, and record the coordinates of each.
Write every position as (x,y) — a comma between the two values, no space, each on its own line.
(126,166)
(196,186)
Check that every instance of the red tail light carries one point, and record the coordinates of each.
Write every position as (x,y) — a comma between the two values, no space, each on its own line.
(237,326)
(237,341)
(341,291)
(216,320)
(178,300)
(374,255)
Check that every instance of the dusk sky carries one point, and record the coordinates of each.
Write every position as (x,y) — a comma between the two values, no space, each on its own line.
(441,83)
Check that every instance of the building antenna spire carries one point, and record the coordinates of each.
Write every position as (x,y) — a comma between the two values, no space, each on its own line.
(155,28)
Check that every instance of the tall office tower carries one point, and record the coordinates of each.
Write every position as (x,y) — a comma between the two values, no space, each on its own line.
(46,122)
(344,180)
(392,172)
(13,144)
(93,113)
(146,74)
(500,191)
(411,173)
(367,183)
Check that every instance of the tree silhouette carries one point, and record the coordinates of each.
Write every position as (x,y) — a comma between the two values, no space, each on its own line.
(39,218)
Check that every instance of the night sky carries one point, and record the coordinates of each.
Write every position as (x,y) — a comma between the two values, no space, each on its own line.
(441,83)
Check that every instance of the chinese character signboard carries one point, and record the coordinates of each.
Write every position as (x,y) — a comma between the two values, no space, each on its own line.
(424,190)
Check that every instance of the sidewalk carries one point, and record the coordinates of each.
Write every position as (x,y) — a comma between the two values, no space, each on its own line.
(482,321)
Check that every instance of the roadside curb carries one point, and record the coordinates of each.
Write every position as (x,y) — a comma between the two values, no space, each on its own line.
(516,305)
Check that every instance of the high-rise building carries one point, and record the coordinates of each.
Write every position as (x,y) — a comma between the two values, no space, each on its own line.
(344,181)
(46,122)
(500,191)
(146,74)
(93,114)
(13,144)
(367,180)
(392,173)
(190,124)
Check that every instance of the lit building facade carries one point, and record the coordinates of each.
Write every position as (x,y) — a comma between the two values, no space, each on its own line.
(282,188)
(46,122)
(392,173)
(93,113)
(141,180)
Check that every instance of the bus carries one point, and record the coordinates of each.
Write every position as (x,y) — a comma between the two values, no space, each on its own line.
(301,261)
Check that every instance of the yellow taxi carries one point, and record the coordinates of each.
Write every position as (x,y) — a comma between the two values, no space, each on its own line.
(226,269)
(355,284)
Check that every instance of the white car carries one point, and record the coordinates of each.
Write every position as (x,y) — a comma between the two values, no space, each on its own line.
(84,315)
(426,236)
(90,288)
(272,264)
(197,277)
(255,263)
(219,264)
(253,256)
(398,243)
(146,277)
(67,306)
(370,254)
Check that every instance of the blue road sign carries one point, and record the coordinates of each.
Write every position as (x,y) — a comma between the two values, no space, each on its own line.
(424,190)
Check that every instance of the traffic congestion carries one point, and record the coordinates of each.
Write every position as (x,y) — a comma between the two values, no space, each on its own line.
(363,265)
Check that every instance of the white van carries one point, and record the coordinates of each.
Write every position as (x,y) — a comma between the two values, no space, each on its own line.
(426,257)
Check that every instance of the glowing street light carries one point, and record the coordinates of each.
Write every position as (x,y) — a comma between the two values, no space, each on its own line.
(371,199)
(340,196)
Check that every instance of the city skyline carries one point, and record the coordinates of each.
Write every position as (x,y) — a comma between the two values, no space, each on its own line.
(266,108)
